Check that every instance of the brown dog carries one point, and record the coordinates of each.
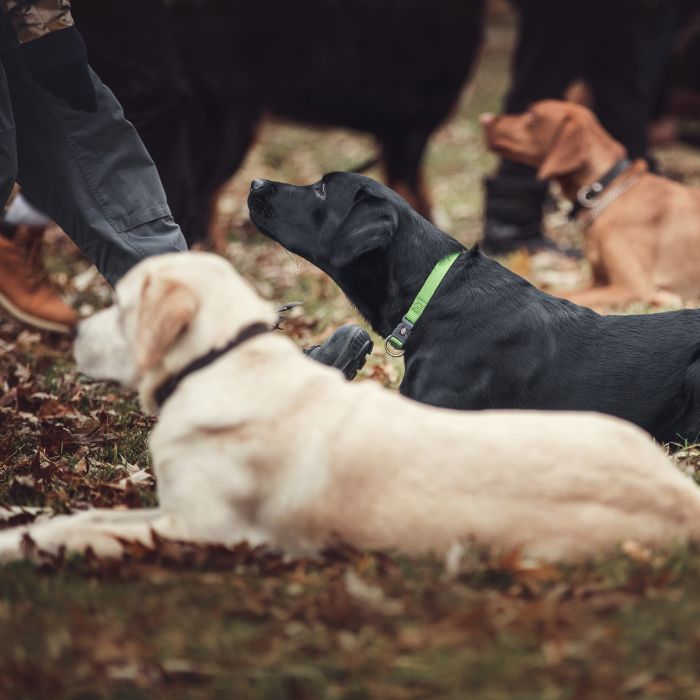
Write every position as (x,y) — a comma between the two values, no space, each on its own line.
(642,231)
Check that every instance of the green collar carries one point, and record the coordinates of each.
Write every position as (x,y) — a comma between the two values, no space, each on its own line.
(397,340)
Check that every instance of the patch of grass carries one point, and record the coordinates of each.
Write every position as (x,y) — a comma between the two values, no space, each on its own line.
(617,629)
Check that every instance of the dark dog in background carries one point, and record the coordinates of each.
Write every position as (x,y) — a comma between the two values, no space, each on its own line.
(195,77)
(393,68)
(488,338)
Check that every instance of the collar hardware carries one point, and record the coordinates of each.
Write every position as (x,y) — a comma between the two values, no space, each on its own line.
(587,196)
(395,343)
(602,203)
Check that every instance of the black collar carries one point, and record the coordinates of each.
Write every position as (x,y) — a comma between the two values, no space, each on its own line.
(164,390)
(588,194)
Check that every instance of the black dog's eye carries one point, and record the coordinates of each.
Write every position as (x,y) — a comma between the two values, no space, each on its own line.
(320,190)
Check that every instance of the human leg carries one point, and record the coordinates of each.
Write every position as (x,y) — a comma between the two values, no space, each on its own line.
(8,149)
(91,173)
(629,53)
(547,57)
(25,292)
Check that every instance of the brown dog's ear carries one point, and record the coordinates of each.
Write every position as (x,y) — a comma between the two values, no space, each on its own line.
(166,312)
(567,152)
(370,224)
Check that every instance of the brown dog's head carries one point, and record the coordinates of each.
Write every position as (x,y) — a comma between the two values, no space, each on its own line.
(558,138)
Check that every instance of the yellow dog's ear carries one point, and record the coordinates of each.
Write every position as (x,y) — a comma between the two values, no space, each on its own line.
(567,153)
(166,312)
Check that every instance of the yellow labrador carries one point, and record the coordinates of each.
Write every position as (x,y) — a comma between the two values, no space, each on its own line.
(257,442)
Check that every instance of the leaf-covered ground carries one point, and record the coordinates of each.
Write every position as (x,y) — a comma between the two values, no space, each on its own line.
(184,622)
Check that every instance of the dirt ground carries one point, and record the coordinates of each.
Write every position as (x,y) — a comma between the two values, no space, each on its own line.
(185,622)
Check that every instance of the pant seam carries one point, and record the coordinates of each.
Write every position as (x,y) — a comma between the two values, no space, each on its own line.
(81,167)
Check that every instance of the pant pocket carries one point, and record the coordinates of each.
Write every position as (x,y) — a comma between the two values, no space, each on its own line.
(119,172)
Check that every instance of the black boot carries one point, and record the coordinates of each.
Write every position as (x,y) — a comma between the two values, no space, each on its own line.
(346,349)
(514,214)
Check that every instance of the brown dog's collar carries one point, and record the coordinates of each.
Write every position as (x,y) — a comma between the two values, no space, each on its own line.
(588,196)
(165,390)
(631,178)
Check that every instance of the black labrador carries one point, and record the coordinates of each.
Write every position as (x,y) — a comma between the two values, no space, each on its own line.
(488,338)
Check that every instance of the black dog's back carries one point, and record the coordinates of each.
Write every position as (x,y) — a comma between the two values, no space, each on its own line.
(512,346)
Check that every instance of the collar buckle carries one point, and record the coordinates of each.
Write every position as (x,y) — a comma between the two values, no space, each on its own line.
(588,194)
(395,343)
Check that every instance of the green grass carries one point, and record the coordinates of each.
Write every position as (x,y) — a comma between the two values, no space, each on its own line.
(255,627)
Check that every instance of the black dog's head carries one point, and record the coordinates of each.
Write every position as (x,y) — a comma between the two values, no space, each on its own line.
(360,233)
(331,223)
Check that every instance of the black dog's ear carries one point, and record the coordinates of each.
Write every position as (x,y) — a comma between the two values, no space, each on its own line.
(370,224)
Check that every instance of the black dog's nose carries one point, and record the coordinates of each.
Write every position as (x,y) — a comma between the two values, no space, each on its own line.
(257,184)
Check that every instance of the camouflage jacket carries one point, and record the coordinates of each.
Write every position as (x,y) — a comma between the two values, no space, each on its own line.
(32,19)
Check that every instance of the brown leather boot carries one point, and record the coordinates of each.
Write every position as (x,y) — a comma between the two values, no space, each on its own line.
(25,289)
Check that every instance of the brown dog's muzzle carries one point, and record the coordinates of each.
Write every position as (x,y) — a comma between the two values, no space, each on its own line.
(488,123)
(497,131)
(508,135)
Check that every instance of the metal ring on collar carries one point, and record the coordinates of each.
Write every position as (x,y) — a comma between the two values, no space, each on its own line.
(588,195)
(391,350)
